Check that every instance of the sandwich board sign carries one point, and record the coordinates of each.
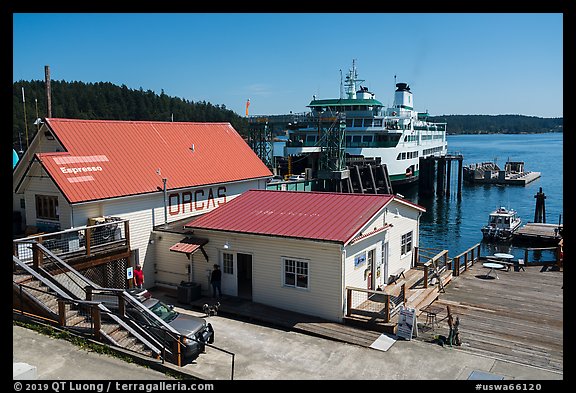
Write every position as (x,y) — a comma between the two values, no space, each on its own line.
(407,323)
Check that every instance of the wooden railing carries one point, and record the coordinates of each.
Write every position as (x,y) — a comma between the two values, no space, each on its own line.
(463,261)
(537,259)
(372,303)
(75,309)
(78,242)
(434,264)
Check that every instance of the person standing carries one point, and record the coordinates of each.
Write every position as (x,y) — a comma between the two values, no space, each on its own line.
(138,276)
(216,281)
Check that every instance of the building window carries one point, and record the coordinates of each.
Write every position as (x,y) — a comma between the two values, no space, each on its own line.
(228,263)
(295,273)
(47,207)
(406,243)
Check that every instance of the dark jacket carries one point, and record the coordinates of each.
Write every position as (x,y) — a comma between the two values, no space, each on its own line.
(216,275)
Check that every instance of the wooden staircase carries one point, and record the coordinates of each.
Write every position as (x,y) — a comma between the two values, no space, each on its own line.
(422,298)
(417,297)
(43,301)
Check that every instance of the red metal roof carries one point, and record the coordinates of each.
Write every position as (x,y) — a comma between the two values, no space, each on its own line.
(111,158)
(188,245)
(311,215)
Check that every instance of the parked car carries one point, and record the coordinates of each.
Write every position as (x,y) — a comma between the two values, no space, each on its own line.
(276,179)
(296,178)
(196,331)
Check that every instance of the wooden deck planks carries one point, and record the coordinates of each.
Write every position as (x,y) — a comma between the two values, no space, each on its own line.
(518,317)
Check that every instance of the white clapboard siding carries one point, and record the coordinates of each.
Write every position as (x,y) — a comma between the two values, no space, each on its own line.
(355,275)
(403,220)
(324,297)
(43,185)
(172,267)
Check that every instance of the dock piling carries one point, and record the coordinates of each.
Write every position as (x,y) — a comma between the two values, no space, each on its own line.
(540,210)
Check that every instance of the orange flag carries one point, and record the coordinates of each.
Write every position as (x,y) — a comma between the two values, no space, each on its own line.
(247,105)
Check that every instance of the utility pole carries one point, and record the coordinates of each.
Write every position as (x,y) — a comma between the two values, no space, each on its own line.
(48,91)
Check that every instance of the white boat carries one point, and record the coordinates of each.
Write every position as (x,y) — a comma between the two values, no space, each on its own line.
(396,136)
(502,223)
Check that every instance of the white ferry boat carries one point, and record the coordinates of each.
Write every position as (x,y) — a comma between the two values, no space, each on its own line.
(502,223)
(396,136)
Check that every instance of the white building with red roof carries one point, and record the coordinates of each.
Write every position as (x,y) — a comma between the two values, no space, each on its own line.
(149,172)
(297,250)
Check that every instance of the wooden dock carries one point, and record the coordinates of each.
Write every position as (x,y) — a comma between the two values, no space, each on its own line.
(537,233)
(518,317)
(490,173)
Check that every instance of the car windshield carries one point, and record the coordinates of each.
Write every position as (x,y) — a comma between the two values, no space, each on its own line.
(164,311)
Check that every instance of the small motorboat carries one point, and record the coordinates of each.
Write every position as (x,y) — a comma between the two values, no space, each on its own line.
(502,223)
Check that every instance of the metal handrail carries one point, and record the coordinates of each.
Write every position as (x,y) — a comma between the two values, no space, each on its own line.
(59,293)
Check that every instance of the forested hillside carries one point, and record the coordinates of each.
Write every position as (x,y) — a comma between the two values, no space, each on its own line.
(507,124)
(106,101)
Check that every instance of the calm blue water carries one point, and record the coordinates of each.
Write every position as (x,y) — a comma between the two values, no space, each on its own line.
(453,224)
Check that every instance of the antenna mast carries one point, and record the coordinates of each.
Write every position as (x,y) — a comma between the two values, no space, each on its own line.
(341,85)
(25,120)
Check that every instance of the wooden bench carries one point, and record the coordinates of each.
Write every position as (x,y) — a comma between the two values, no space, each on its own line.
(394,276)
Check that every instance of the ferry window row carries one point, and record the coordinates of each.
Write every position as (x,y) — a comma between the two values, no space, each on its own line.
(355,139)
(433,150)
(363,123)
(430,137)
(406,155)
(352,140)
(347,108)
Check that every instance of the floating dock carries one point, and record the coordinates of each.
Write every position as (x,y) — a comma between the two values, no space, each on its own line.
(490,173)
(538,233)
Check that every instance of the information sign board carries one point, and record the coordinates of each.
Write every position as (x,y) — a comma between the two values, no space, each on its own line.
(407,323)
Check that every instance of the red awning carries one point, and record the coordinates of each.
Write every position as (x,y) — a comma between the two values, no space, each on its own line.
(188,245)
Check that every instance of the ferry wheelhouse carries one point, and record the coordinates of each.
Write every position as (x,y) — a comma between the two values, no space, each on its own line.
(396,136)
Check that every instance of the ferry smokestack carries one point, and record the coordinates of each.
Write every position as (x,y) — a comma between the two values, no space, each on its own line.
(403,97)
(48,92)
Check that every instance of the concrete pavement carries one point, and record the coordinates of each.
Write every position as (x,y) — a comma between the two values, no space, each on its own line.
(265,353)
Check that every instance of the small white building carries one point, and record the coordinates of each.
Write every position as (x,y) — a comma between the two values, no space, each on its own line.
(149,172)
(295,250)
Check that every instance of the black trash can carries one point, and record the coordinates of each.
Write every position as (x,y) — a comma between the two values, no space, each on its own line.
(188,291)
(184,292)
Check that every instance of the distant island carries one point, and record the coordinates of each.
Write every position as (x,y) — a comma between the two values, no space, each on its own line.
(106,101)
(499,124)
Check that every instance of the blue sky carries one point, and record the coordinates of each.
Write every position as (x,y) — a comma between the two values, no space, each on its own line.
(455,63)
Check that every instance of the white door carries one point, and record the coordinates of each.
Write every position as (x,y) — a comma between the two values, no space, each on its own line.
(371,269)
(228,267)
(384,266)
